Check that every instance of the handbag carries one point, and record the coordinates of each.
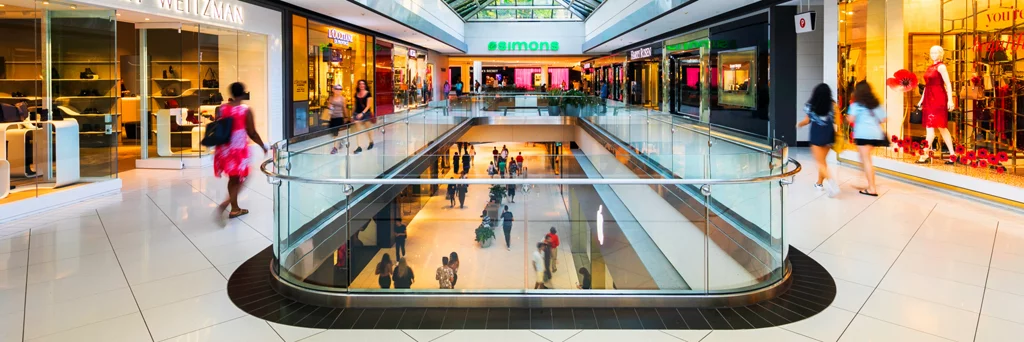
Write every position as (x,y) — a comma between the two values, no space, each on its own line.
(916,116)
(211,81)
(218,132)
(971,92)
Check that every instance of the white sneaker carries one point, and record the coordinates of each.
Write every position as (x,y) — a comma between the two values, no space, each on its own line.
(832,187)
(819,187)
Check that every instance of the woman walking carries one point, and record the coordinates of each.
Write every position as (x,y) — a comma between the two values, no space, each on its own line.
(362,115)
(232,158)
(820,110)
(867,117)
(384,271)
(453,263)
(403,275)
(336,106)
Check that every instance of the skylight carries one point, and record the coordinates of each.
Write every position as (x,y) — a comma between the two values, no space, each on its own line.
(524,10)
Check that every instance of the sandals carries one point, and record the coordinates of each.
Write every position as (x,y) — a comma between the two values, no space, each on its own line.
(241,212)
(865,192)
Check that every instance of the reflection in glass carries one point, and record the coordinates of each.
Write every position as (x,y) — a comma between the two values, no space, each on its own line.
(737,77)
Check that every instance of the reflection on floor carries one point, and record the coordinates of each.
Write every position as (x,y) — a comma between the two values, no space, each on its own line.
(438,229)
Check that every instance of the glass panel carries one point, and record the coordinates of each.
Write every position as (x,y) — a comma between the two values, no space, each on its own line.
(84,87)
(23,96)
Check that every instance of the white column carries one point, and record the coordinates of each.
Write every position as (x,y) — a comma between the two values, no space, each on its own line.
(478,74)
(830,28)
(544,76)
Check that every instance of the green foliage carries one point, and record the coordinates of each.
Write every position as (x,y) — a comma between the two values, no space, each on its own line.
(484,233)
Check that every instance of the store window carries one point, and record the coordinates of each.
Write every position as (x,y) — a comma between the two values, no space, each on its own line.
(979,45)
(325,56)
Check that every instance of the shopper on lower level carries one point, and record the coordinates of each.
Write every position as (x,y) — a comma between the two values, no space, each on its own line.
(400,235)
(506,223)
(453,264)
(511,189)
(554,242)
(444,275)
(402,275)
(461,190)
(538,266)
(452,188)
(384,269)
(585,279)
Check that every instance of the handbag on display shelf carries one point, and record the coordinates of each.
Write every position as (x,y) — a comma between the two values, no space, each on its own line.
(210,79)
(171,73)
(88,74)
(916,116)
(972,92)
(171,104)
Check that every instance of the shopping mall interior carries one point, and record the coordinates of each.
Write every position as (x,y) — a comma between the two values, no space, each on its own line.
(553,170)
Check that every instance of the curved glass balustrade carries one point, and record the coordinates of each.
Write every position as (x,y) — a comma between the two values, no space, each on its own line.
(643,202)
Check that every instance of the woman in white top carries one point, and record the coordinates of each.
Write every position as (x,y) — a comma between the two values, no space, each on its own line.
(867,117)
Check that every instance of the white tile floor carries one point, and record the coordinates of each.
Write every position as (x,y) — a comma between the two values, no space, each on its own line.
(149,265)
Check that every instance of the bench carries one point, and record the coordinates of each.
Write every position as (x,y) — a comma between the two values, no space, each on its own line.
(506,108)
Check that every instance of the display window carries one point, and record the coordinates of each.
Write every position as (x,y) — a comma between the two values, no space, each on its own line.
(403,80)
(326,56)
(969,136)
(88,91)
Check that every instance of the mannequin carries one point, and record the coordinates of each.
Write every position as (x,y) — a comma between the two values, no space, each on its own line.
(936,102)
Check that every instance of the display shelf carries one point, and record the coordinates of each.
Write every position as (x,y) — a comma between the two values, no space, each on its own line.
(172,80)
(20,80)
(84,80)
(185,62)
(85,97)
(168,96)
(27,98)
(84,62)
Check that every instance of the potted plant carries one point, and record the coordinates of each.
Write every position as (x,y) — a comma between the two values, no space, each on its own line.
(555,102)
(574,101)
(497,193)
(484,235)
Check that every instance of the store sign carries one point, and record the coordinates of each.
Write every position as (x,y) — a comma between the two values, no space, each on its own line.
(522,46)
(412,53)
(640,53)
(340,37)
(804,22)
(586,65)
(213,10)
(697,44)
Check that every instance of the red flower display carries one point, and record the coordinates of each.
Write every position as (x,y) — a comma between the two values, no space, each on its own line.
(894,138)
(983,163)
(992,159)
(983,154)
(896,149)
(953,158)
(915,146)
(903,81)
(959,149)
(1000,169)
(970,155)
(1002,156)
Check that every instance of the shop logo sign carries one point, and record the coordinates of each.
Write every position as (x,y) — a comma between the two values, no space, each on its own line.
(340,37)
(640,53)
(522,46)
(1015,14)
(217,10)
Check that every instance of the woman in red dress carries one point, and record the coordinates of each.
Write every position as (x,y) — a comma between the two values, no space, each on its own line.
(232,158)
(936,102)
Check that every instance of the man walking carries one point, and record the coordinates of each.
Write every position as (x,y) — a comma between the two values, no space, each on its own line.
(506,221)
(461,190)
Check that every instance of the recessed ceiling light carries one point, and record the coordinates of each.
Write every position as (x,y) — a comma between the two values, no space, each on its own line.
(1,5)
(74,7)
(119,14)
(147,19)
(46,2)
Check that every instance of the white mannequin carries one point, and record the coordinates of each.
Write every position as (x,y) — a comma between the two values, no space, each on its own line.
(936,54)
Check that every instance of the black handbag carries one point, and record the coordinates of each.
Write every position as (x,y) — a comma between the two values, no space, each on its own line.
(218,132)
(210,82)
(916,116)
(88,74)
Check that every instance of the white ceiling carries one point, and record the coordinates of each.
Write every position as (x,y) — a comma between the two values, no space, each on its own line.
(690,14)
(359,16)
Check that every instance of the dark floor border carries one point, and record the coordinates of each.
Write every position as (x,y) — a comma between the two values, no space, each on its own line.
(811,291)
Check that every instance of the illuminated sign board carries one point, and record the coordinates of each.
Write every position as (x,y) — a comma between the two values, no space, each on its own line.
(214,10)
(696,44)
(522,46)
(339,36)
(640,53)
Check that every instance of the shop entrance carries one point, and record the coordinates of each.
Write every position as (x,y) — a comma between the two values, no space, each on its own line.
(687,89)
(644,86)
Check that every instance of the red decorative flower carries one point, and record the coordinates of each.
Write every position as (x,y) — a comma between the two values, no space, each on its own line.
(915,146)
(983,154)
(974,164)
(959,149)
(953,158)
(970,155)
(903,81)
(896,149)
(1002,156)
(894,138)
(1000,169)
(992,159)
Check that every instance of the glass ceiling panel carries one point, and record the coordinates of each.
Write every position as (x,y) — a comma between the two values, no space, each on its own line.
(512,10)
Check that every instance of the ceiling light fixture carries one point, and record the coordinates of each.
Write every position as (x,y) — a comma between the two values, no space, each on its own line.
(147,19)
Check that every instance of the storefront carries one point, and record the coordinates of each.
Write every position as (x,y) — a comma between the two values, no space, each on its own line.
(107,86)
(324,56)
(409,72)
(977,147)
(643,83)
(610,70)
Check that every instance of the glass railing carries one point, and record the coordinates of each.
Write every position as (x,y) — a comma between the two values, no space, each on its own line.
(641,201)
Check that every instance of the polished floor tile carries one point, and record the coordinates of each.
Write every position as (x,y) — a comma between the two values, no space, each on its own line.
(765,335)
(190,315)
(1004,305)
(867,329)
(828,325)
(127,328)
(42,320)
(991,329)
(246,328)
(919,314)
(178,288)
